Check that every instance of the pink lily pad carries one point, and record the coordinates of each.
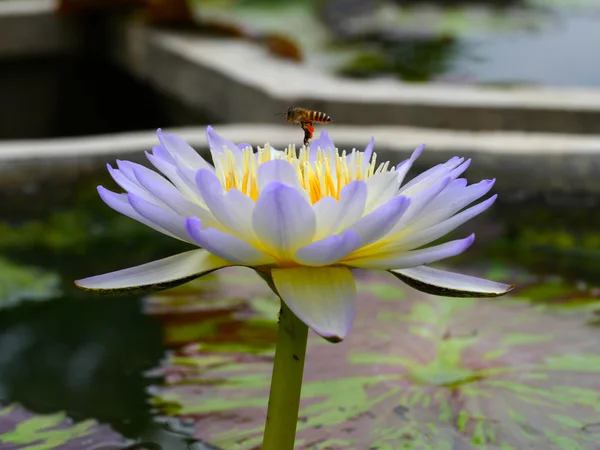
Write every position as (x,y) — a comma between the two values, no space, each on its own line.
(416,372)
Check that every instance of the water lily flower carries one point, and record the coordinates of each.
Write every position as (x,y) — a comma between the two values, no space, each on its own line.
(302,219)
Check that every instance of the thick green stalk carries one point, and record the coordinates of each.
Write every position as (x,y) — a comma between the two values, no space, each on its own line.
(286,383)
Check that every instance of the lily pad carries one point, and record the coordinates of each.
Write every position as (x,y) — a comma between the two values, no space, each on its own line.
(418,372)
(220,313)
(19,283)
(21,429)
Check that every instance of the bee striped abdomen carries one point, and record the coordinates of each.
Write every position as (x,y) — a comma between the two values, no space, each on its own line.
(319,117)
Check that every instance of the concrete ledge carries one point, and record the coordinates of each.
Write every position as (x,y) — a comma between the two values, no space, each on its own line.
(529,163)
(30,28)
(237,81)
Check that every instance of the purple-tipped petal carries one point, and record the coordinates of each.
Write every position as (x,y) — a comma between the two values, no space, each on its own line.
(446,204)
(168,194)
(243,146)
(458,171)
(419,202)
(377,224)
(160,152)
(164,218)
(425,236)
(323,142)
(156,275)
(324,298)
(225,245)
(131,185)
(405,260)
(283,219)
(181,151)
(430,177)
(449,284)
(218,145)
(120,203)
(368,152)
(403,168)
(278,170)
(329,250)
(170,171)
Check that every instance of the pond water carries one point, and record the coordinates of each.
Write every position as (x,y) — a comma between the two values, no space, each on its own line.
(502,371)
(488,42)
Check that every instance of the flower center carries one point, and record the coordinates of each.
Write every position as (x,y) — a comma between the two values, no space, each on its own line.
(326,175)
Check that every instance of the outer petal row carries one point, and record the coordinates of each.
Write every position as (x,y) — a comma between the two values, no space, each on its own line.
(449,284)
(156,275)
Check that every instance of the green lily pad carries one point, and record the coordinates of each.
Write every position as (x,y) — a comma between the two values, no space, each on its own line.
(421,372)
(21,429)
(18,283)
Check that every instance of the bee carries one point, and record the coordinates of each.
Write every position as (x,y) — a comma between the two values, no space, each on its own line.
(306,118)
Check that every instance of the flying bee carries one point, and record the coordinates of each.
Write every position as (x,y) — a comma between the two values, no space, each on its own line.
(306,118)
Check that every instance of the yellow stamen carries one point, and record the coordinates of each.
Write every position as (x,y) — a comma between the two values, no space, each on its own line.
(326,176)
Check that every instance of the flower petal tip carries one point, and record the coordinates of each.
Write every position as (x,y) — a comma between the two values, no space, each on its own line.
(333,339)
(449,284)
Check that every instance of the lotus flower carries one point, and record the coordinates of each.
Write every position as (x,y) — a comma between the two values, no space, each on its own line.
(302,219)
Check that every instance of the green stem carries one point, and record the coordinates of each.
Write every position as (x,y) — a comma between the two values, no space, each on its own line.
(286,383)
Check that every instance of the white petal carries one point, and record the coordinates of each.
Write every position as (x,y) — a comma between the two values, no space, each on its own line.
(348,210)
(156,275)
(283,219)
(225,245)
(329,250)
(232,208)
(164,218)
(414,258)
(326,211)
(120,203)
(449,284)
(381,187)
(324,298)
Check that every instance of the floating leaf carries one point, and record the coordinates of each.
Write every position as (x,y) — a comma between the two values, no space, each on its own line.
(19,283)
(218,312)
(21,429)
(419,372)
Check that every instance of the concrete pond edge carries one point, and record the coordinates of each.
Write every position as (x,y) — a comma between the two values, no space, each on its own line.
(521,162)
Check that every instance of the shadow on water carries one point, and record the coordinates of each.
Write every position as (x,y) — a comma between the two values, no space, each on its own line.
(79,352)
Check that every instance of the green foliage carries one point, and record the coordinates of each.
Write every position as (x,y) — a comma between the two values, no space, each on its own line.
(18,283)
(23,430)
